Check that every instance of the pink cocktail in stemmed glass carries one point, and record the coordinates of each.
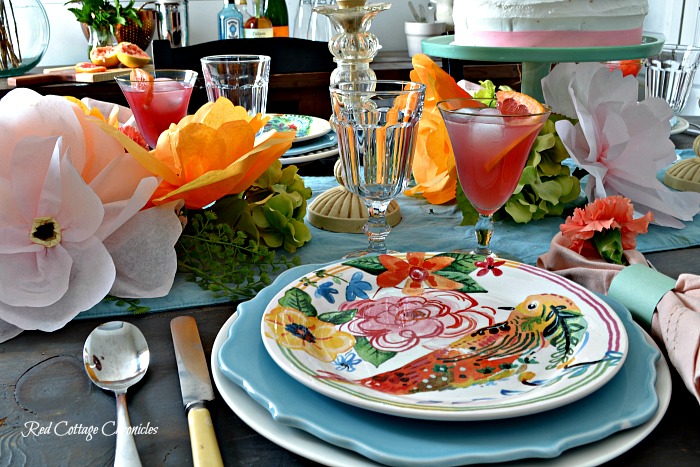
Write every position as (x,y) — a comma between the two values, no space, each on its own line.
(491,140)
(158,103)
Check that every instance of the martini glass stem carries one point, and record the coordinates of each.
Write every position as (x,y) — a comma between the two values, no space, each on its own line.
(483,231)
(377,228)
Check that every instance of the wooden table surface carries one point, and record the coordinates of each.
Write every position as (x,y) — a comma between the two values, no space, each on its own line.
(43,386)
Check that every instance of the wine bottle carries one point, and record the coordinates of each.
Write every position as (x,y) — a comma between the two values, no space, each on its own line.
(230,21)
(258,25)
(276,11)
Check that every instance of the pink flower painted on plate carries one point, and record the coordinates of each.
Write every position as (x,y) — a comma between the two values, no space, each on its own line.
(489,265)
(399,323)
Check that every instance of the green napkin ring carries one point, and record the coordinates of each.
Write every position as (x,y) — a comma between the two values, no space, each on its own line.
(640,288)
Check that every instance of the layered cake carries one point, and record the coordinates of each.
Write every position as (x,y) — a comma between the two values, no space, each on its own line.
(549,23)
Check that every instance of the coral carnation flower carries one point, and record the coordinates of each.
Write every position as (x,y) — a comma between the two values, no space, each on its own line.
(612,212)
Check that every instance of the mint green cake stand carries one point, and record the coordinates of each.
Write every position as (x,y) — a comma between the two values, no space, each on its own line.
(537,61)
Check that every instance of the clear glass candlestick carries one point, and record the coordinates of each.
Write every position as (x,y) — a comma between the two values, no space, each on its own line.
(353,46)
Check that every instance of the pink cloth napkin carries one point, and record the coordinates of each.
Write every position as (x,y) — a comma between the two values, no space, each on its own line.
(676,321)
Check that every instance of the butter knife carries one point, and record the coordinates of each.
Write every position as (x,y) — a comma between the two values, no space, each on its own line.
(196,388)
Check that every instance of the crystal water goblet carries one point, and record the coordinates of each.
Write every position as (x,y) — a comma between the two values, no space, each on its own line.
(376,122)
(491,148)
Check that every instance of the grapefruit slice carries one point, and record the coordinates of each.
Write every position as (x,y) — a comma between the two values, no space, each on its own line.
(515,104)
(89,67)
(132,55)
(104,56)
(139,74)
(143,81)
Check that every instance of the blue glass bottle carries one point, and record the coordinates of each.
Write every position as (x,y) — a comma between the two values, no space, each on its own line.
(230,21)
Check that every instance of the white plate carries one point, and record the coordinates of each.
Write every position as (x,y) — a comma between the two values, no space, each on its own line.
(443,336)
(680,126)
(307,127)
(629,400)
(310,156)
(315,449)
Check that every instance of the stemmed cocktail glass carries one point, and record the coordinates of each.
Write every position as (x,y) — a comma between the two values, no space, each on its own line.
(491,140)
(158,100)
(376,123)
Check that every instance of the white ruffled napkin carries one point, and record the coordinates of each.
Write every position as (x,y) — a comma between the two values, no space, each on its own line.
(671,307)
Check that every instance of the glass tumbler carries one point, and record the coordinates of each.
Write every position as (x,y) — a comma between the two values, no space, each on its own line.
(670,74)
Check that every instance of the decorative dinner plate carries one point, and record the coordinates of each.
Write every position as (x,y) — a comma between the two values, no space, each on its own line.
(326,141)
(307,127)
(613,419)
(448,336)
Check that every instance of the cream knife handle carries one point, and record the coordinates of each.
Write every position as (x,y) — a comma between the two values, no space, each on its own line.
(205,449)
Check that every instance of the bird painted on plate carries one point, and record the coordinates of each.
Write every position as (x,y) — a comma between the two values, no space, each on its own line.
(493,352)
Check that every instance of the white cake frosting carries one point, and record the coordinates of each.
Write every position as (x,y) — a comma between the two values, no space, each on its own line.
(548,23)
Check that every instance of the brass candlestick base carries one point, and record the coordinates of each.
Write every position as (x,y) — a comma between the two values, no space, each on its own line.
(338,210)
(685,175)
(353,48)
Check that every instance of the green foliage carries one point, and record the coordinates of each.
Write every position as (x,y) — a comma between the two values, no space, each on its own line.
(133,304)
(277,207)
(225,261)
(546,187)
(102,13)
(229,247)
(609,245)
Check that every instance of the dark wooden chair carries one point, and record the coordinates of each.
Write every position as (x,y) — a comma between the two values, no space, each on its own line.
(300,70)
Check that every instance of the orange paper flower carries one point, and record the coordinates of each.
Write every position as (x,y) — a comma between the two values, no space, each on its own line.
(612,212)
(434,167)
(211,154)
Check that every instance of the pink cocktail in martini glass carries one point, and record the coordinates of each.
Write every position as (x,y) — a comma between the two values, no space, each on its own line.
(491,140)
(158,103)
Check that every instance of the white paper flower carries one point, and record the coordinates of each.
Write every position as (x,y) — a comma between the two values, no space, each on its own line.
(72,228)
(620,142)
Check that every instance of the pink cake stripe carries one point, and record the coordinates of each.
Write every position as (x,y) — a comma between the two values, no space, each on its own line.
(548,38)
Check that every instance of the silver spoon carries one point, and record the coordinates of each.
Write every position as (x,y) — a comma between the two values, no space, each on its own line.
(116,357)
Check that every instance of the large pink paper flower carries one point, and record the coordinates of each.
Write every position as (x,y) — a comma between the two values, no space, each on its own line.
(71,225)
(620,142)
